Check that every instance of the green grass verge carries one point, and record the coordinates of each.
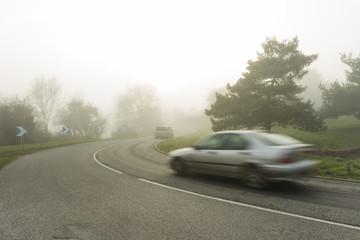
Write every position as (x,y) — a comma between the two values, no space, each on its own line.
(180,142)
(9,153)
(335,167)
(337,149)
(342,133)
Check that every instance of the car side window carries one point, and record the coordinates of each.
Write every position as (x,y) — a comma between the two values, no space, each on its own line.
(236,142)
(215,142)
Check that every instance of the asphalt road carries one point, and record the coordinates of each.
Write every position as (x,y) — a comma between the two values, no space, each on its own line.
(125,190)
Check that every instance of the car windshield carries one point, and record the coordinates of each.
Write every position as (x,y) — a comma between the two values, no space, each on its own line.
(202,141)
(273,139)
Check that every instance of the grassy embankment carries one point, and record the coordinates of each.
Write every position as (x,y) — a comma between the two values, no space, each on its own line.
(9,153)
(337,149)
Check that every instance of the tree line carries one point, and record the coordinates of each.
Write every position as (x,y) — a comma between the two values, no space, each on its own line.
(269,93)
(45,112)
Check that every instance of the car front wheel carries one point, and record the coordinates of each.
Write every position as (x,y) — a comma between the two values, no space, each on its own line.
(178,165)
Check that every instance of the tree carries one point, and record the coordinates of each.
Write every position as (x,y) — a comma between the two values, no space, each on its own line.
(45,96)
(343,98)
(14,113)
(83,119)
(212,95)
(137,109)
(267,95)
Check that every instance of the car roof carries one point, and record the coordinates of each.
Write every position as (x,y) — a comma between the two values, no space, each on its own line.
(240,131)
(163,127)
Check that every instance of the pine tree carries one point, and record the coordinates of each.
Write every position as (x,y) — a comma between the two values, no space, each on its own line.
(267,94)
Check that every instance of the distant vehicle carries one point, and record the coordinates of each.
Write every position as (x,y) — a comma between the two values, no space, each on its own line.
(255,157)
(164,132)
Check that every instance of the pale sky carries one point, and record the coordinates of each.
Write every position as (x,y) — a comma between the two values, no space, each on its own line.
(184,49)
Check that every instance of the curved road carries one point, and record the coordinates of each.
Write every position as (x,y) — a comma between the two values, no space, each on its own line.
(124,189)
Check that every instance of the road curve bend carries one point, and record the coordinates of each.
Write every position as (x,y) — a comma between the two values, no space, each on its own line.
(124,189)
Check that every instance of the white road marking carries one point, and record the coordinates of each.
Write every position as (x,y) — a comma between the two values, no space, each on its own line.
(252,206)
(96,160)
(228,201)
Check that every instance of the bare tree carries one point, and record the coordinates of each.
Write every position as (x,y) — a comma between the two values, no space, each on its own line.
(45,96)
(137,108)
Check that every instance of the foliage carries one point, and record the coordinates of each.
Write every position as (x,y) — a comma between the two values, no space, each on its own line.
(343,98)
(13,113)
(83,119)
(267,95)
(352,76)
(211,99)
(45,98)
(180,142)
(137,110)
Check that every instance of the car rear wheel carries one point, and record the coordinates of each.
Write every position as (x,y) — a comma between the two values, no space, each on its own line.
(179,166)
(253,178)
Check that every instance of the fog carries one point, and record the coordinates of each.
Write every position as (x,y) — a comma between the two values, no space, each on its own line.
(184,49)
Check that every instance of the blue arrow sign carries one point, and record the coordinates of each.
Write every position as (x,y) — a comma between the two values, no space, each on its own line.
(21,131)
(66,129)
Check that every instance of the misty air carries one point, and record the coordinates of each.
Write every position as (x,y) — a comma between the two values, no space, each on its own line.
(179,120)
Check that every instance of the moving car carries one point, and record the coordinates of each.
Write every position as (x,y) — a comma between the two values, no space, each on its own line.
(164,132)
(253,156)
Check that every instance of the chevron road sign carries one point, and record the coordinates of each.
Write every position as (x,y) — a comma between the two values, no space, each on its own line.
(21,131)
(66,129)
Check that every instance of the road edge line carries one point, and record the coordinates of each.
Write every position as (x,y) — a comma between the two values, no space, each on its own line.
(102,164)
(252,206)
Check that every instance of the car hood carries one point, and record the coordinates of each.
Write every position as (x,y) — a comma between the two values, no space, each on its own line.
(181,152)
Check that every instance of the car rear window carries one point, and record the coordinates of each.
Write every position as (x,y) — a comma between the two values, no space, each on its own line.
(162,128)
(273,139)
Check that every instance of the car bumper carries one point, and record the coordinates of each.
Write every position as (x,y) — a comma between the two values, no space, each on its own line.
(289,170)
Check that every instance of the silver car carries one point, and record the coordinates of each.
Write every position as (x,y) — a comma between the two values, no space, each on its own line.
(253,156)
(164,132)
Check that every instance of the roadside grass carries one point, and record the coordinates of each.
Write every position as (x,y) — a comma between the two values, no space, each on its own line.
(337,149)
(180,142)
(335,167)
(342,133)
(10,153)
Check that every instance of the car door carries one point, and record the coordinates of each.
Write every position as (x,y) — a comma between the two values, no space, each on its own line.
(220,154)
(236,154)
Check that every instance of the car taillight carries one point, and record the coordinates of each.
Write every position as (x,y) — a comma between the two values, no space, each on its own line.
(286,160)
